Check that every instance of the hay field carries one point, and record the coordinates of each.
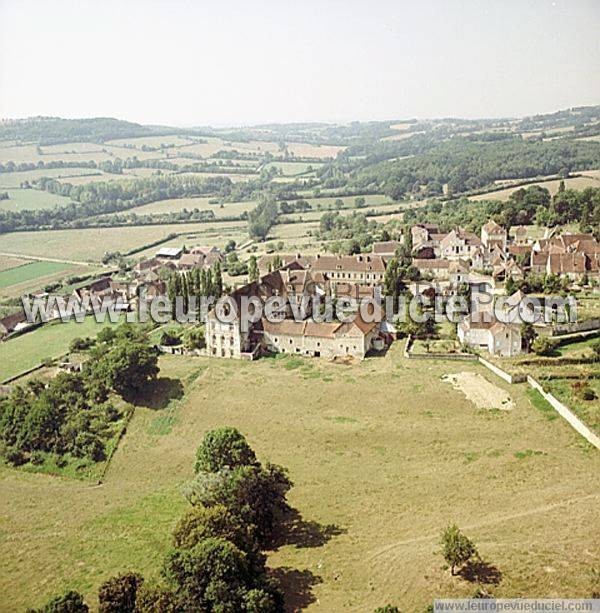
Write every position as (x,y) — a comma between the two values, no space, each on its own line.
(205,149)
(14,179)
(551,186)
(71,152)
(292,169)
(97,177)
(228,209)
(90,244)
(29,153)
(328,202)
(381,452)
(70,148)
(234,177)
(31,199)
(310,150)
(8,262)
(152,141)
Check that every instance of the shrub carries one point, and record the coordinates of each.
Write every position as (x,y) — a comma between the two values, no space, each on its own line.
(170,339)
(588,394)
(37,458)
(71,602)
(15,456)
(81,344)
(119,593)
(155,599)
(544,346)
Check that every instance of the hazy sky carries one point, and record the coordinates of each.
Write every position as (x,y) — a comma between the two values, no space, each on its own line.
(242,61)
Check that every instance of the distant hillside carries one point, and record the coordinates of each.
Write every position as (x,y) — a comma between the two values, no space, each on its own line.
(52,130)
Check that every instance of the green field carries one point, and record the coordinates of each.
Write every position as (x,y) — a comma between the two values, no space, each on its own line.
(49,341)
(29,272)
(382,455)
(31,199)
(292,169)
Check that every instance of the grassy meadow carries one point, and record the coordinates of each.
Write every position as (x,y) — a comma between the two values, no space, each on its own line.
(30,272)
(31,199)
(382,454)
(48,341)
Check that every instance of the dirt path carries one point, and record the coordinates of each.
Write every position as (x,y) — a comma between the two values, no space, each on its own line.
(491,522)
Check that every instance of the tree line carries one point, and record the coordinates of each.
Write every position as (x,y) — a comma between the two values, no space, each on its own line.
(73,416)
(525,206)
(461,164)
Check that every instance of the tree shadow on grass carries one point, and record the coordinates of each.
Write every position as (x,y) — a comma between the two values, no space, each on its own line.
(480,571)
(159,393)
(295,530)
(297,586)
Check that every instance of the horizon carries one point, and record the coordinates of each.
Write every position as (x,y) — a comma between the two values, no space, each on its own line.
(190,65)
(300,122)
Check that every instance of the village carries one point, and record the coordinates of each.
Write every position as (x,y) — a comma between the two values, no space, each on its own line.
(498,263)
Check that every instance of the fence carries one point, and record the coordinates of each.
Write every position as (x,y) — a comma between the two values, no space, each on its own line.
(502,373)
(566,413)
(572,328)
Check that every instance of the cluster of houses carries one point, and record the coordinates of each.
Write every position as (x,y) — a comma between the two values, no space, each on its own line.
(494,254)
(148,283)
(151,283)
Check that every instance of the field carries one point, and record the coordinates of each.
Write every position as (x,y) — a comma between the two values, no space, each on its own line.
(383,456)
(152,141)
(89,244)
(229,209)
(551,186)
(14,179)
(30,272)
(292,168)
(8,262)
(31,199)
(49,341)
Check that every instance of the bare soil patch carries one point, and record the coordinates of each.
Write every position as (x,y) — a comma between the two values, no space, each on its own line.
(482,393)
